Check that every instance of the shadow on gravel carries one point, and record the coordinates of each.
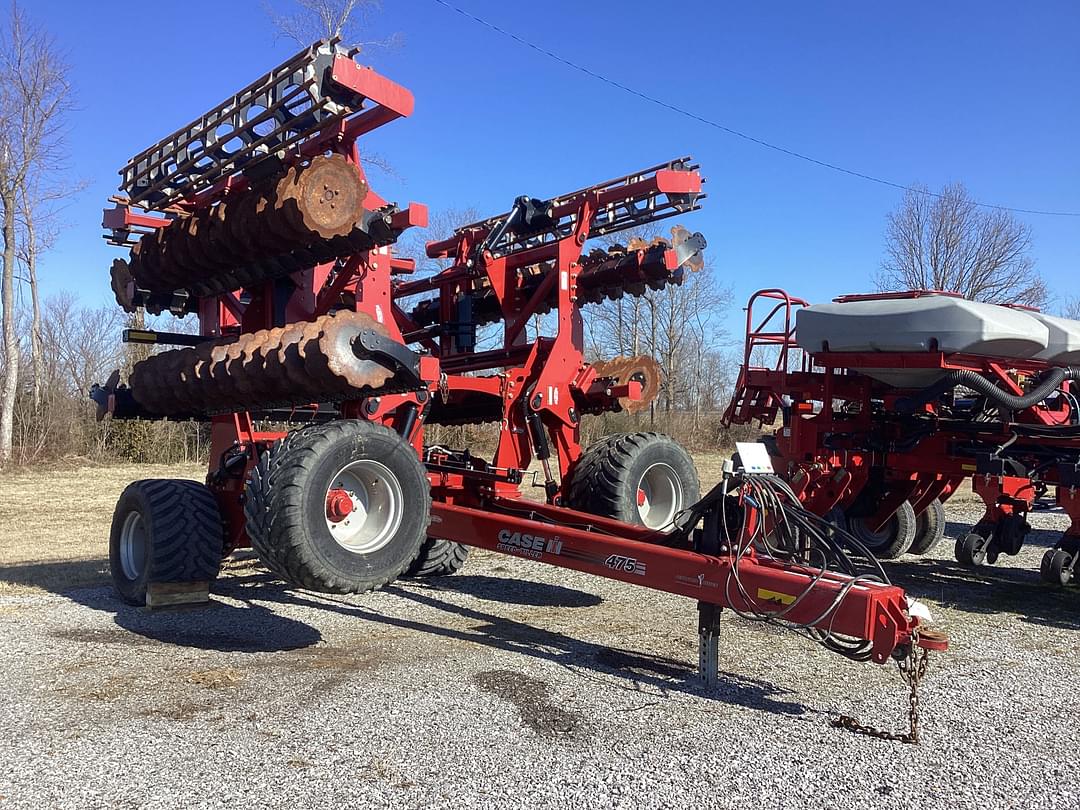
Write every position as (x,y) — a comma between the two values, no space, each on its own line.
(731,688)
(217,626)
(519,591)
(584,658)
(57,576)
(1044,538)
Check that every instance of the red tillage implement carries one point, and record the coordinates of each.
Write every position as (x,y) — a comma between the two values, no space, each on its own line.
(879,439)
(258,218)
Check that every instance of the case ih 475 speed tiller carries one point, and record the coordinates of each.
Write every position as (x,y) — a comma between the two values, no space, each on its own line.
(257,218)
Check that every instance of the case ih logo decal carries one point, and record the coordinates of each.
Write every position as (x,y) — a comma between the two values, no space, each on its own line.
(617,562)
(528,545)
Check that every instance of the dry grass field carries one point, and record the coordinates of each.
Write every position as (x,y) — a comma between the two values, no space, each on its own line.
(54,523)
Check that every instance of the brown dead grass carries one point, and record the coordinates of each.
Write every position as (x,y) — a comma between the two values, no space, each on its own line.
(216,678)
(54,523)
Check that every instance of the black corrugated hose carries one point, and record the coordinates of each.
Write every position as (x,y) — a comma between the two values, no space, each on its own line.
(1046,384)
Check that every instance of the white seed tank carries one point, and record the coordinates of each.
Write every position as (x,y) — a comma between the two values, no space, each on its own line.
(927,323)
(1063,348)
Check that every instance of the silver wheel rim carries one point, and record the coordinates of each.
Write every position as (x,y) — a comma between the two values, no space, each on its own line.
(377,506)
(659,496)
(133,545)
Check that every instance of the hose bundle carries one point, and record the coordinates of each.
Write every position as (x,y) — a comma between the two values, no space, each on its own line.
(786,531)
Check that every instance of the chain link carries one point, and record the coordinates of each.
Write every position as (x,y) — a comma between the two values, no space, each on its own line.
(912,669)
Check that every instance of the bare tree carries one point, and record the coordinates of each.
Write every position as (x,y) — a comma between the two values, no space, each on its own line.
(948,242)
(677,325)
(34,98)
(1071,309)
(28,255)
(312,20)
(441,225)
(37,221)
(80,346)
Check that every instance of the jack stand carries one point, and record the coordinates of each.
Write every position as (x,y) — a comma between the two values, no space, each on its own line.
(708,643)
(708,542)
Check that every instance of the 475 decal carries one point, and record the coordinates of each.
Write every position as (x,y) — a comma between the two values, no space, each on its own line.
(629,565)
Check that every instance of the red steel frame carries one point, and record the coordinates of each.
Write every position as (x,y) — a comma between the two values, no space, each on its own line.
(817,388)
(545,376)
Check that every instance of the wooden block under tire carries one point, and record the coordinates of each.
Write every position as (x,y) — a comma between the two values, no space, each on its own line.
(167,594)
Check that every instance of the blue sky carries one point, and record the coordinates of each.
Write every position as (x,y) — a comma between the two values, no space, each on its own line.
(981,92)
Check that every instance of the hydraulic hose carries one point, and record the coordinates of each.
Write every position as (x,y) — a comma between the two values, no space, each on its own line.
(1045,385)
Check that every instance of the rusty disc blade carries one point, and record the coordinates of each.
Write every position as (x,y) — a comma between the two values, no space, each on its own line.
(274,238)
(276,374)
(642,368)
(146,262)
(188,248)
(201,368)
(292,374)
(219,235)
(223,392)
(143,384)
(190,396)
(122,283)
(344,356)
(257,378)
(645,370)
(316,361)
(689,248)
(153,381)
(254,230)
(148,385)
(236,366)
(249,366)
(135,261)
(281,214)
(315,365)
(203,257)
(286,214)
(171,270)
(175,253)
(330,196)
(292,378)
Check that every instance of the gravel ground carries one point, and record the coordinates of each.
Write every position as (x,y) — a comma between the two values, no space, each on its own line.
(513,684)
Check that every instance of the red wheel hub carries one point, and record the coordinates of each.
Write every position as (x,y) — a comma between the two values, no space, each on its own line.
(641,497)
(338,505)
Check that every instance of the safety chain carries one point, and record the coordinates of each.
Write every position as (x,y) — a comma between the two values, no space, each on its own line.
(912,669)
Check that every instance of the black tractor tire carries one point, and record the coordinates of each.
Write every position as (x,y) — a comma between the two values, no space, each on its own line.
(164,530)
(257,514)
(294,538)
(1054,567)
(893,539)
(438,558)
(585,470)
(614,475)
(970,550)
(929,528)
